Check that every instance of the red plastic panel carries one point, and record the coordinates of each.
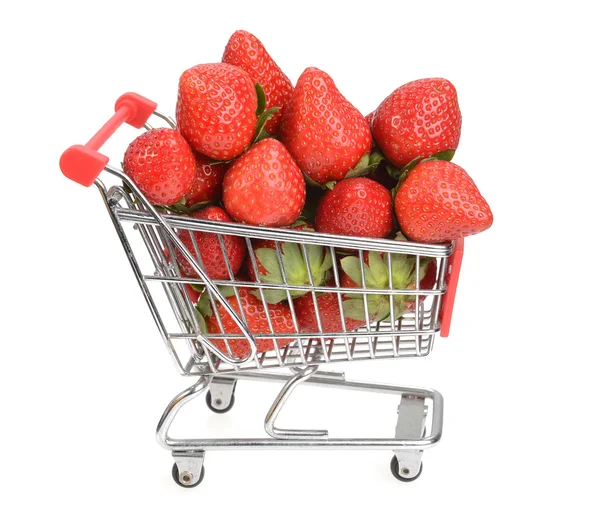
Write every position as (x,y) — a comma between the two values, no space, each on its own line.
(454,263)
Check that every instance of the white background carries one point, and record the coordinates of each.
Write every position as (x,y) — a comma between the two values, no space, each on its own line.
(84,374)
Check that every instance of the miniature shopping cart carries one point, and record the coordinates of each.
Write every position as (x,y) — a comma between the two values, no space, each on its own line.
(151,242)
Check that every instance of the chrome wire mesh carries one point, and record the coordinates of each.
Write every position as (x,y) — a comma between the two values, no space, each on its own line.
(153,257)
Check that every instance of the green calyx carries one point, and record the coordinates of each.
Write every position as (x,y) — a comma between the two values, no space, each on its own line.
(377,276)
(366,165)
(295,267)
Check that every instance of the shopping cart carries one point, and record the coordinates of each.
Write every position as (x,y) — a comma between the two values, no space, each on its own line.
(151,240)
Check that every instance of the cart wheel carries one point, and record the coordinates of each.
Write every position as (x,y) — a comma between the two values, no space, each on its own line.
(175,473)
(214,409)
(396,472)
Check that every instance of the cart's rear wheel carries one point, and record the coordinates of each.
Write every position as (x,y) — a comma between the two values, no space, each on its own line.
(186,480)
(216,409)
(394,467)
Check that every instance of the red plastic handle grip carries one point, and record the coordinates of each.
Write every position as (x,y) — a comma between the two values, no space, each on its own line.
(83,163)
(454,263)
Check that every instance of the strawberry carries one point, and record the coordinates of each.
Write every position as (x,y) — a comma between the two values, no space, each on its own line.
(324,132)
(264,186)
(356,207)
(254,314)
(161,164)
(439,202)
(376,274)
(329,313)
(209,247)
(248,52)
(216,109)
(208,183)
(427,282)
(369,118)
(419,119)
(294,265)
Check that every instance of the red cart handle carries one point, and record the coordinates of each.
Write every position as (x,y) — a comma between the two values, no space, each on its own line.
(83,163)
(454,263)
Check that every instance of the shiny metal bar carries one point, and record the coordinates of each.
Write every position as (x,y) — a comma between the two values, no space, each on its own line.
(270,428)
(292,235)
(365,300)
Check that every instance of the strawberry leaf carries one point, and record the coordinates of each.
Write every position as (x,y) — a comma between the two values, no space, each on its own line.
(219,162)
(378,269)
(260,125)
(393,171)
(203,305)
(272,296)
(354,309)
(201,322)
(293,262)
(446,155)
(262,99)
(269,260)
(351,266)
(361,168)
(196,287)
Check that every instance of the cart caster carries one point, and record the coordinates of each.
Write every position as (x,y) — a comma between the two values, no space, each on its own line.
(220,397)
(403,475)
(212,405)
(186,479)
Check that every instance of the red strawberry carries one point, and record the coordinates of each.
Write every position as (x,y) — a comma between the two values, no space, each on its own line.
(427,282)
(264,186)
(270,244)
(216,109)
(208,184)
(323,131)
(419,119)
(356,207)
(369,118)
(376,276)
(161,164)
(439,202)
(209,247)
(329,313)
(248,52)
(256,319)
(294,264)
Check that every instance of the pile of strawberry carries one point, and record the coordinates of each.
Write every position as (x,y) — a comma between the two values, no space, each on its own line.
(251,147)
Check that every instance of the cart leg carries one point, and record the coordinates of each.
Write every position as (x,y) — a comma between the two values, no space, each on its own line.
(221,394)
(162,430)
(188,469)
(412,415)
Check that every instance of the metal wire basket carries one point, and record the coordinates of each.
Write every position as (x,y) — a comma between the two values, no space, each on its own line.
(154,263)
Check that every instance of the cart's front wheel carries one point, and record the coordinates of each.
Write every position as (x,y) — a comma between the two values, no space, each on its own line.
(215,406)
(401,474)
(186,480)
